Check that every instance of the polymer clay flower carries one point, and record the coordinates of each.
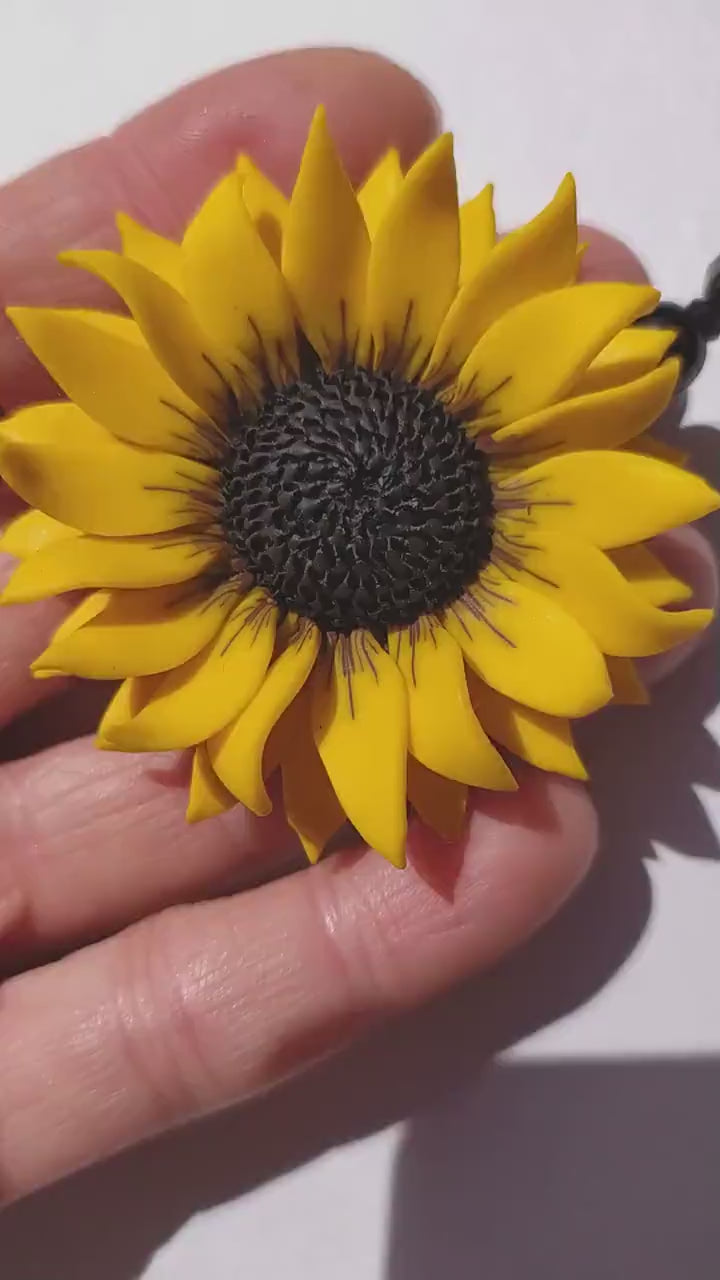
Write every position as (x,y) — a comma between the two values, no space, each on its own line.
(361,494)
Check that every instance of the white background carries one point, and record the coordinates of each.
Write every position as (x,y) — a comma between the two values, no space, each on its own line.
(591,1150)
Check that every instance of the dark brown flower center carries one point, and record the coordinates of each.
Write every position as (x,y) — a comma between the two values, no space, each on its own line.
(357,500)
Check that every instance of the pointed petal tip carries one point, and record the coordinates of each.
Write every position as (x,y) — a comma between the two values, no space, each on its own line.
(319,121)
(11,595)
(195,813)
(641,298)
(45,673)
(127,227)
(713,500)
(394,848)
(313,852)
(397,856)
(601,695)
(707,497)
(566,194)
(438,155)
(245,168)
(701,619)
(578,773)
(87,259)
(116,740)
(262,807)
(443,148)
(652,297)
(199,809)
(45,665)
(510,783)
(17,315)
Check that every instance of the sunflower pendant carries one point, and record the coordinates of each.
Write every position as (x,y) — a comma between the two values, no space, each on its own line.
(360,492)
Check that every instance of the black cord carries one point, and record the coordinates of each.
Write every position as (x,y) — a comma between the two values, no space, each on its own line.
(697,324)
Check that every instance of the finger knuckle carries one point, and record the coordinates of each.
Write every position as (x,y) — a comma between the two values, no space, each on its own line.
(159,990)
(355,952)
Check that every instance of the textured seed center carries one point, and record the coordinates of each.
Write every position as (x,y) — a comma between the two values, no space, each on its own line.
(357,500)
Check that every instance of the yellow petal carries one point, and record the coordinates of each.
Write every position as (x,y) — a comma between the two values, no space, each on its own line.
(445,734)
(128,700)
(529,648)
(237,753)
(47,673)
(477,233)
(602,420)
(534,352)
(31,532)
(544,741)
(169,327)
(114,378)
(326,247)
(630,354)
(88,609)
(61,461)
(380,187)
(157,253)
(608,498)
(585,582)
(266,205)
(648,575)
(200,697)
(439,802)
(234,287)
(361,729)
(138,633)
(111,322)
(628,689)
(531,260)
(311,806)
(415,261)
(208,797)
(74,564)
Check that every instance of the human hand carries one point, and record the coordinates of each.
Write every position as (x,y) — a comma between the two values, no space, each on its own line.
(207,977)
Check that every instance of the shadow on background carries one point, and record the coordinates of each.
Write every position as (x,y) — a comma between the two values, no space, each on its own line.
(599,1171)
(645,766)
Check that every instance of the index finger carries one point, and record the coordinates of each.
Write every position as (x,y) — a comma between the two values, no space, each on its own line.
(158,166)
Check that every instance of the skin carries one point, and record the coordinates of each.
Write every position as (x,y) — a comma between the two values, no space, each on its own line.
(211,975)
